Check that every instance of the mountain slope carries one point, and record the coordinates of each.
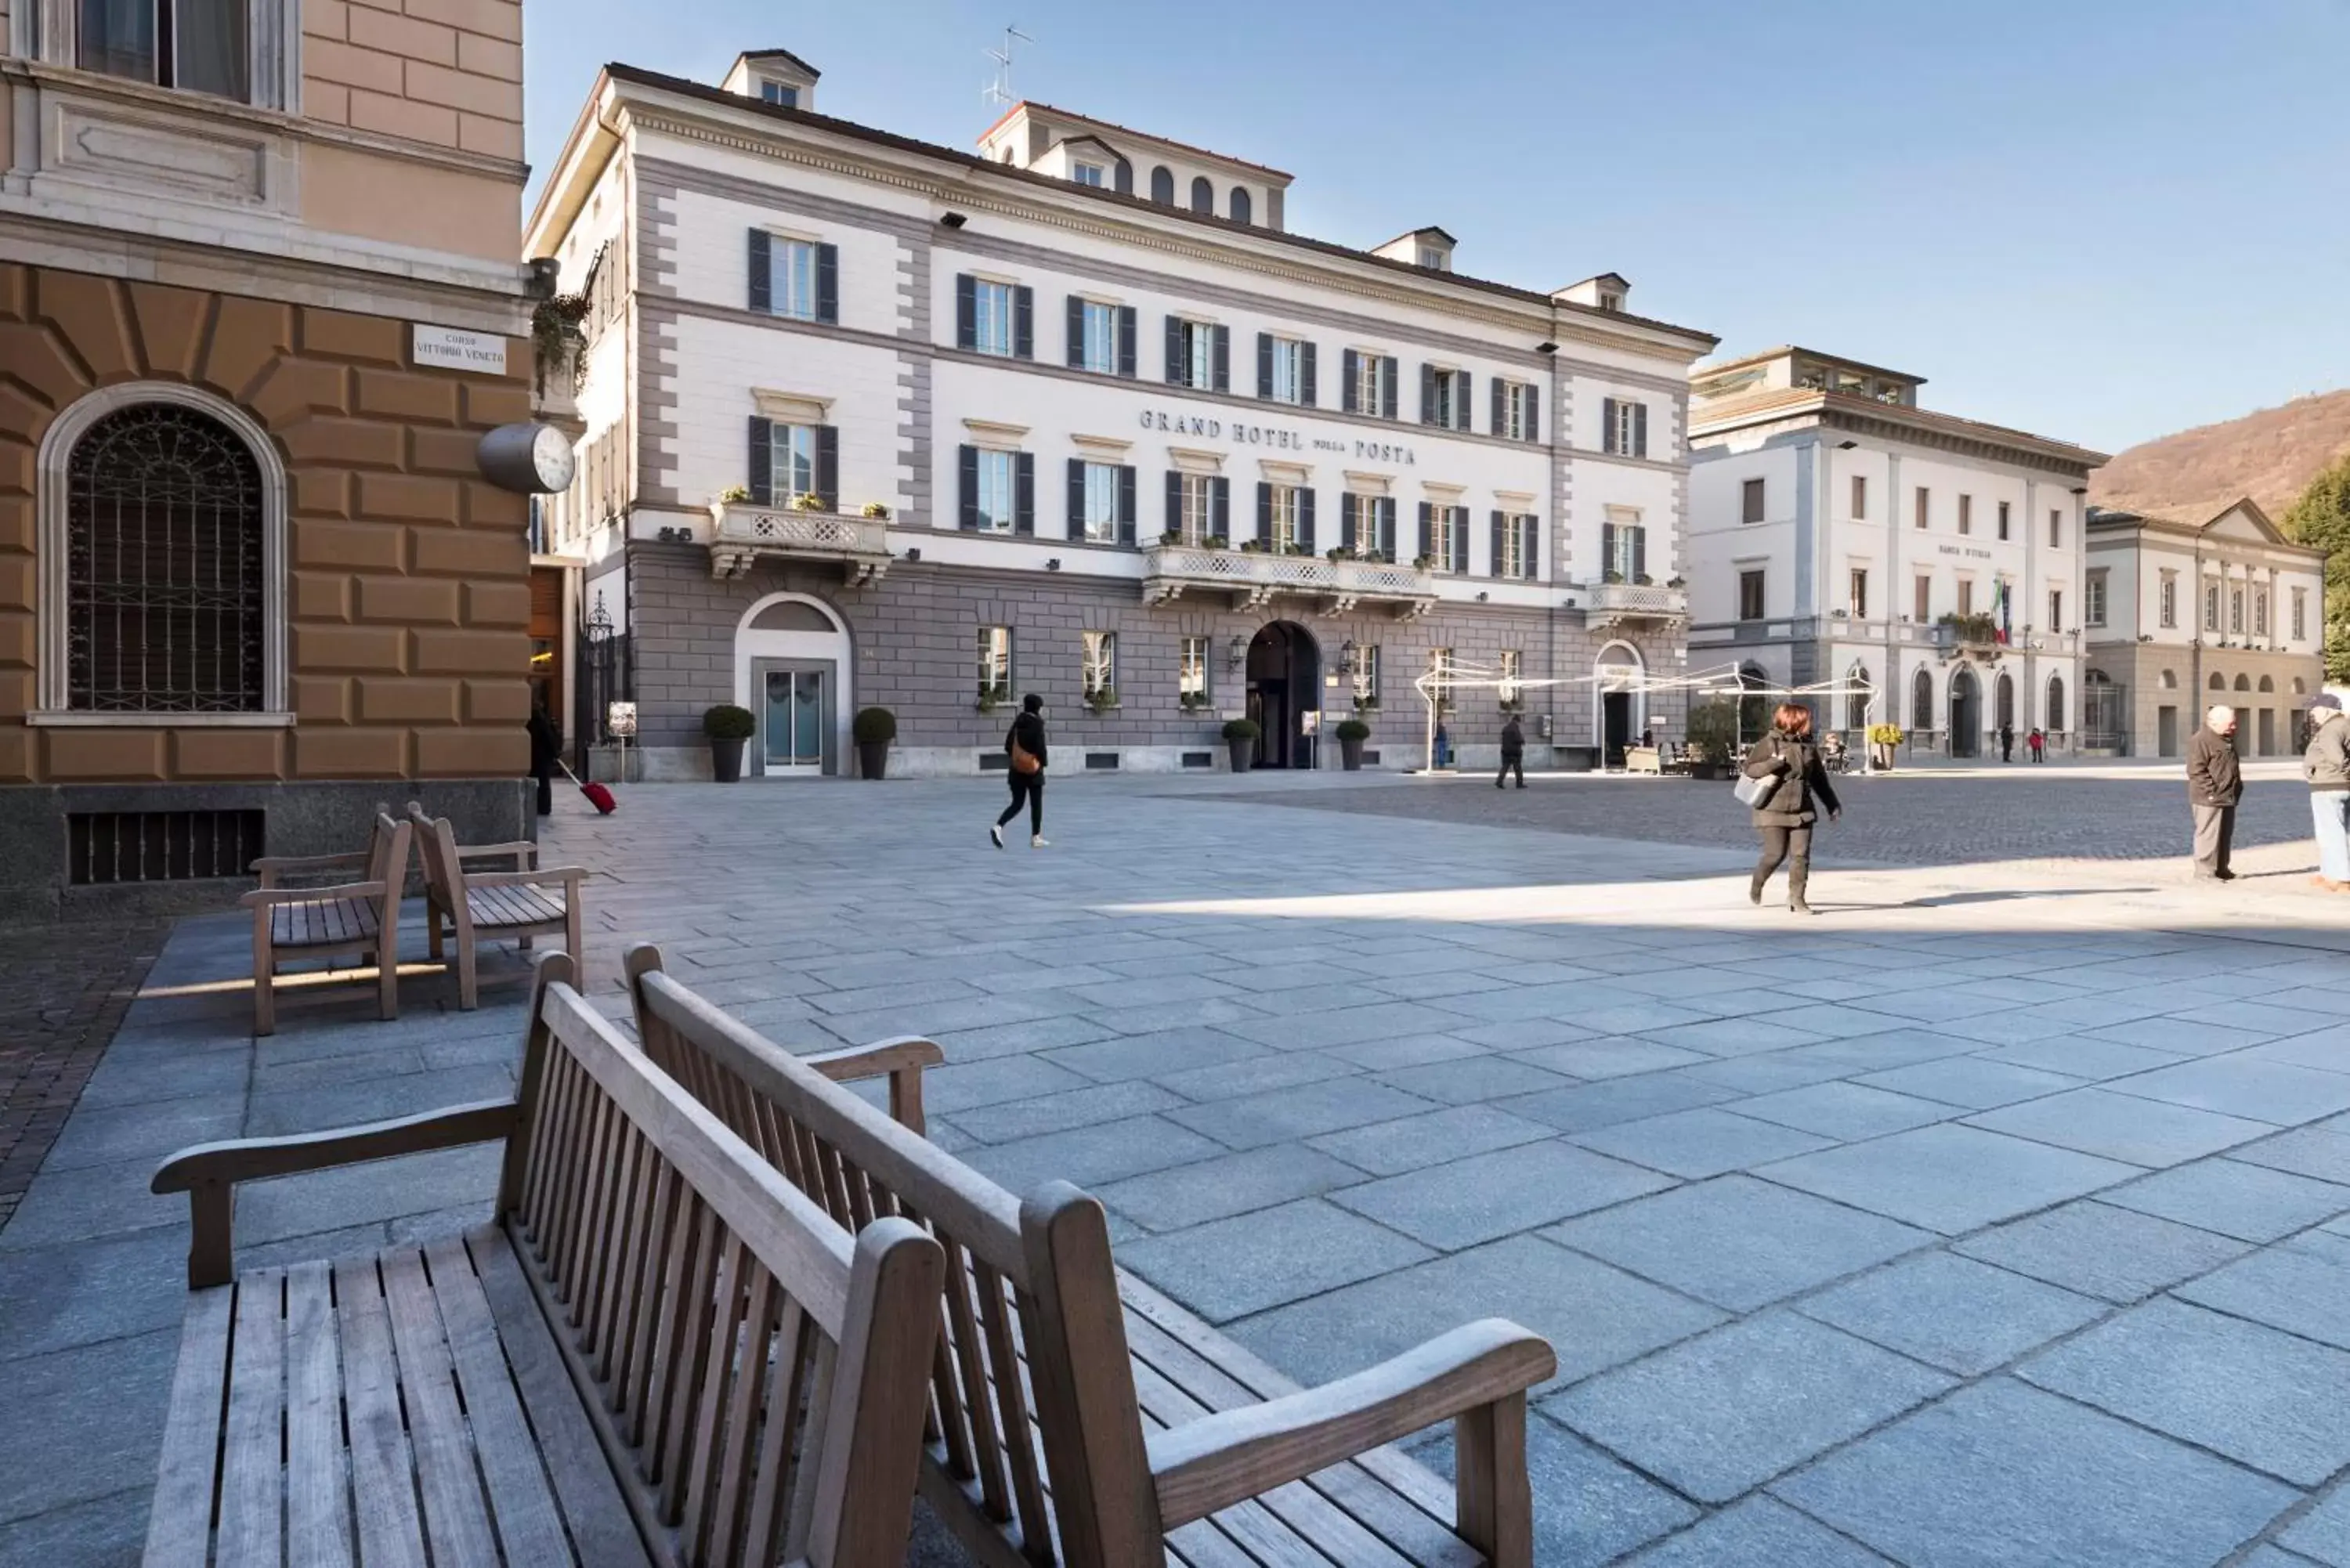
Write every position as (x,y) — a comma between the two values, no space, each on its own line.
(2270,456)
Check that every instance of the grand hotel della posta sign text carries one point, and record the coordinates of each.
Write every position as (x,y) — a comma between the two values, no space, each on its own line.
(1270,436)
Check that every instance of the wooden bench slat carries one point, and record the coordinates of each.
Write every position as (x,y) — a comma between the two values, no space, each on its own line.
(251,1478)
(180,1518)
(317,1497)
(384,1490)
(456,1518)
(323,923)
(521,1505)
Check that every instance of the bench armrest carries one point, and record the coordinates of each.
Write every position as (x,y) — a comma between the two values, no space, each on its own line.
(1205,1465)
(209,1172)
(261,896)
(564,874)
(900,1060)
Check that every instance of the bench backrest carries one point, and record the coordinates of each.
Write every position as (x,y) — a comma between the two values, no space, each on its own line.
(444,872)
(758,1369)
(1035,1276)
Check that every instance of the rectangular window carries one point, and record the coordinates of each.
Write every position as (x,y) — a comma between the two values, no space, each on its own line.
(1099,523)
(1516,543)
(1372,390)
(2211,608)
(995,664)
(1921,609)
(1627,544)
(1751,501)
(1625,427)
(1966,514)
(2235,612)
(1441,665)
(2055,609)
(791,278)
(2093,601)
(1446,400)
(2002,519)
(1966,595)
(1191,673)
(991,313)
(1925,504)
(1750,596)
(1097,334)
(792,463)
(1859,593)
(197,45)
(2261,613)
(1100,665)
(1092,174)
(1288,370)
(1198,343)
(998,491)
(1859,497)
(1519,419)
(2300,615)
(1448,539)
(1198,508)
(2169,599)
(781,93)
(2055,528)
(1282,535)
(1511,671)
(1367,673)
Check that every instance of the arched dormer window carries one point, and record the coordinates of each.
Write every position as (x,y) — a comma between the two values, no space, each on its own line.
(1241,211)
(1204,195)
(1163,185)
(161,554)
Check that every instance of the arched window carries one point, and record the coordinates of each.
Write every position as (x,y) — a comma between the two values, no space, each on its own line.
(2219,681)
(1921,700)
(2300,687)
(2268,683)
(2170,681)
(162,519)
(2055,702)
(1753,710)
(1855,702)
(1204,195)
(1163,186)
(2243,683)
(1238,209)
(2004,701)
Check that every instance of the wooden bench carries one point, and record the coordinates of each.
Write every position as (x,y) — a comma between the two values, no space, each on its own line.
(351,919)
(661,1352)
(1137,1436)
(491,905)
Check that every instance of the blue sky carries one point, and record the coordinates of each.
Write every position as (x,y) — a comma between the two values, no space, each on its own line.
(2096,220)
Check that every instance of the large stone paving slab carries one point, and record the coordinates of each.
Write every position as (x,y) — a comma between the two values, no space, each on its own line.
(1233,1267)
(1490,1196)
(2116,1254)
(1948,1179)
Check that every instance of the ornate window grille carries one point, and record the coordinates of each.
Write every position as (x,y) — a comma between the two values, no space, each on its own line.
(165,584)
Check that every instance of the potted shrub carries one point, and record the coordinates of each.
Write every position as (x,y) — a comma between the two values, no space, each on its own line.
(1101,700)
(728,727)
(1882,739)
(734,495)
(1352,734)
(1712,737)
(877,511)
(873,730)
(1240,739)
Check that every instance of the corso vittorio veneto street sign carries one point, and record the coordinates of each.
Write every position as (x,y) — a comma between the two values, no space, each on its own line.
(1274,437)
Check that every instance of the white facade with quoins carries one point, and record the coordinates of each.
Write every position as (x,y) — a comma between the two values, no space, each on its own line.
(1839,533)
(871,421)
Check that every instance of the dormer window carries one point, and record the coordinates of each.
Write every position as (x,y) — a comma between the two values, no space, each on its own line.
(1092,174)
(1433,258)
(783,93)
(199,45)
(1610,300)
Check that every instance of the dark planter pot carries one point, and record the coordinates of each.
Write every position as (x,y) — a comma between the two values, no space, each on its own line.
(1244,755)
(872,759)
(725,759)
(1350,755)
(1708,771)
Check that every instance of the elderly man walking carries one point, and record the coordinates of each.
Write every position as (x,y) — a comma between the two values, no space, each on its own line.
(2325,763)
(2215,782)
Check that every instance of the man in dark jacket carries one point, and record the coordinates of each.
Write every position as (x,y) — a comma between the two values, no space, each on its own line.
(546,744)
(2215,782)
(2326,764)
(1023,744)
(1514,753)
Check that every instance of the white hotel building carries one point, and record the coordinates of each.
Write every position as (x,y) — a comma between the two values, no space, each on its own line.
(873,421)
(1840,534)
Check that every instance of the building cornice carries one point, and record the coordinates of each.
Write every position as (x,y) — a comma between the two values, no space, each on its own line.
(1914,427)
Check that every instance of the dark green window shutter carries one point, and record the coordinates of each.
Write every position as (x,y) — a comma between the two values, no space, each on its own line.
(966,311)
(968,519)
(1607,424)
(828,285)
(827,466)
(1530,547)
(1220,514)
(1464,393)
(1125,505)
(1305,379)
(1460,539)
(1264,364)
(1639,554)
(1534,413)
(1076,333)
(1076,498)
(1495,565)
(1387,387)
(1348,531)
(762,482)
(1606,550)
(1639,429)
(1263,512)
(1428,394)
(1501,410)
(763,273)
(1428,531)
(1126,341)
(1023,492)
(1386,507)
(1305,520)
(1350,393)
(1223,359)
(1174,350)
(1023,323)
(1174,502)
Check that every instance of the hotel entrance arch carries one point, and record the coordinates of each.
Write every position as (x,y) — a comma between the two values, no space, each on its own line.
(1284,683)
(1966,714)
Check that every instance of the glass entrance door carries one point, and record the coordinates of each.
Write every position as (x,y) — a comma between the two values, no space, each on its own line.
(796,716)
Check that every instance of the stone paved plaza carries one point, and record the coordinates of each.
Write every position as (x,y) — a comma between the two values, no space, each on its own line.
(1999,1216)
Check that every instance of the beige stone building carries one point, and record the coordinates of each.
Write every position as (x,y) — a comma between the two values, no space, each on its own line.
(259,302)
(2180,616)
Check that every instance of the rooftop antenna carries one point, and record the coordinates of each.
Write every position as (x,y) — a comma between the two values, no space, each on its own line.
(999,91)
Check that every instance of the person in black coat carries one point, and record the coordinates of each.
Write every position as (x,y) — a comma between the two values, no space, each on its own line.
(545,745)
(1786,813)
(1514,753)
(1025,740)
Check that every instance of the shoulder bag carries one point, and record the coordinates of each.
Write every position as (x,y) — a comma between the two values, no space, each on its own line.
(1023,760)
(1750,791)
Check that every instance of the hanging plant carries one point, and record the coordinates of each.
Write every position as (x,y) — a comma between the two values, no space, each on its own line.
(557,341)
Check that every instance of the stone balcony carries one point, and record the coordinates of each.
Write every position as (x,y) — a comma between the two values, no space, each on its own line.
(742,534)
(1618,604)
(1253,577)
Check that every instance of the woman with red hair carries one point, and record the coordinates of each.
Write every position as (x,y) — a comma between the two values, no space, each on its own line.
(1785,811)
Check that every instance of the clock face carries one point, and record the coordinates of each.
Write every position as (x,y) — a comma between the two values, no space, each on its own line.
(551,459)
